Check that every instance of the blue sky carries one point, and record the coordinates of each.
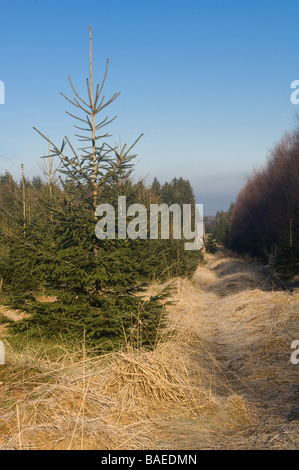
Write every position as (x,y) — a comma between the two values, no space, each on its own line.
(207,82)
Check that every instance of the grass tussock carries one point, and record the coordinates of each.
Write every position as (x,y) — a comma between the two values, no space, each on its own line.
(111,402)
(212,381)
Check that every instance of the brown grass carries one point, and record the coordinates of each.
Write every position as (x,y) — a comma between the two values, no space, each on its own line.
(220,377)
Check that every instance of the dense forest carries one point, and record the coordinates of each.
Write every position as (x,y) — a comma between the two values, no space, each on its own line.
(264,220)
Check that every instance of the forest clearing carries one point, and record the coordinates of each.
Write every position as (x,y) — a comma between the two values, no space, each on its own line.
(149,228)
(221,379)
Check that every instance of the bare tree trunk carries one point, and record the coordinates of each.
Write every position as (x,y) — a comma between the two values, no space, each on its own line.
(93,130)
(24,200)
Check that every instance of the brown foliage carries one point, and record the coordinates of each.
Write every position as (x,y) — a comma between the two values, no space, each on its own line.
(266,212)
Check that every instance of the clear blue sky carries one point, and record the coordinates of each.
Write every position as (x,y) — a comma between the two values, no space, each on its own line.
(207,82)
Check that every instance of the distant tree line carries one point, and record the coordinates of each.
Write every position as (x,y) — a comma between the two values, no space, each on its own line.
(218,230)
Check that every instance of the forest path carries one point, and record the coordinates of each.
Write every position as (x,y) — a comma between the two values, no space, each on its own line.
(248,327)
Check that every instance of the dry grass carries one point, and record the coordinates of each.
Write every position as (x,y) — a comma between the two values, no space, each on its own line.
(122,400)
(220,378)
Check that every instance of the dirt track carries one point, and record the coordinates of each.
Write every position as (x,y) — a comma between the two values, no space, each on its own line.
(249,328)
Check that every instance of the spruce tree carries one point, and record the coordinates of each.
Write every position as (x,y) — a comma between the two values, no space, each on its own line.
(97,283)
(51,245)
